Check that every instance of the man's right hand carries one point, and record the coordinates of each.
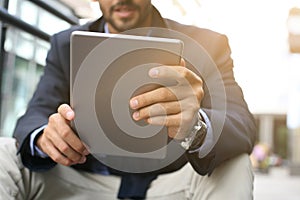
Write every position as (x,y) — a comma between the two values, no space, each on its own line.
(59,141)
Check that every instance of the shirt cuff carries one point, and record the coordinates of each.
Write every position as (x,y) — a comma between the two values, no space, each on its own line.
(208,141)
(35,151)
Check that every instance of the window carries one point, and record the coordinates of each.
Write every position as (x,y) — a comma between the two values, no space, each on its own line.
(24,58)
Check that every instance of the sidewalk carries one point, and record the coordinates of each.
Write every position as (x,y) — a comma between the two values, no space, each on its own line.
(276,185)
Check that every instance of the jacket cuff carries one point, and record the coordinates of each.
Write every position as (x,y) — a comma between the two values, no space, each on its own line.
(34,163)
(202,166)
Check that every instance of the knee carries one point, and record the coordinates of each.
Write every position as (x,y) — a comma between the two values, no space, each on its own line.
(236,178)
(231,180)
(8,150)
(236,169)
(8,144)
(242,165)
(7,141)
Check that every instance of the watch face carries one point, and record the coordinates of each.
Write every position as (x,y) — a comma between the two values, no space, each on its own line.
(196,138)
(199,137)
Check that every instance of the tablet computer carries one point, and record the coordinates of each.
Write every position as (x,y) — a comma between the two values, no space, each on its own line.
(106,71)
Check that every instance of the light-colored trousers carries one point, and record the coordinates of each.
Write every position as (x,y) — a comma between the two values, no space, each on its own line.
(233,180)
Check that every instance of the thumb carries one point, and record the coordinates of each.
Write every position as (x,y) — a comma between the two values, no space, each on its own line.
(182,62)
(66,111)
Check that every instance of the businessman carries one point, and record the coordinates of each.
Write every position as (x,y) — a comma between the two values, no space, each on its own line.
(47,160)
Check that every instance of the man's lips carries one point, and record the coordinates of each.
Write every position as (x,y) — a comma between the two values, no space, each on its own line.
(124,11)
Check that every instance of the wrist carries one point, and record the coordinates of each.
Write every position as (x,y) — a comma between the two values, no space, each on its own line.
(35,135)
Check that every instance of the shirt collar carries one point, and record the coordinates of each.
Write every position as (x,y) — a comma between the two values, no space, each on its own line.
(106,30)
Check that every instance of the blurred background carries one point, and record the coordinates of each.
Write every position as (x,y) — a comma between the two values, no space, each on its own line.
(265,40)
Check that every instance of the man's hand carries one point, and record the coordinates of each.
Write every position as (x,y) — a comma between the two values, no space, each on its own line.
(59,141)
(174,106)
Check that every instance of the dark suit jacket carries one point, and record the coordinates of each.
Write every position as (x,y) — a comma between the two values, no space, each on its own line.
(238,133)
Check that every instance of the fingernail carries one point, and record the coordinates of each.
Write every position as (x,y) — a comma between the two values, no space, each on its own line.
(86,152)
(134,103)
(136,115)
(153,73)
(69,114)
(82,160)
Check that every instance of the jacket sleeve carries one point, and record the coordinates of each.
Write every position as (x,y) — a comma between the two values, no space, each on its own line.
(238,131)
(52,90)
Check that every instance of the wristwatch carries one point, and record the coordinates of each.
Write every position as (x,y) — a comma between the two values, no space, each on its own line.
(196,138)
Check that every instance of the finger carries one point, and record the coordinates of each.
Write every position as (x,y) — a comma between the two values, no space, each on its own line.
(58,157)
(160,109)
(164,94)
(181,74)
(47,147)
(178,126)
(173,123)
(179,120)
(170,120)
(66,150)
(187,105)
(182,62)
(63,131)
(66,111)
(161,94)
(62,146)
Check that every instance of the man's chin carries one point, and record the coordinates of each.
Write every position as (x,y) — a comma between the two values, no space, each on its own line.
(124,27)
